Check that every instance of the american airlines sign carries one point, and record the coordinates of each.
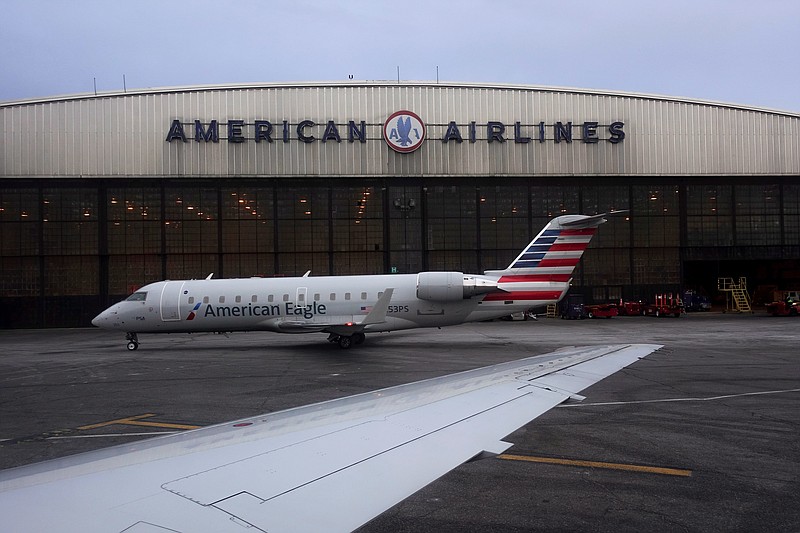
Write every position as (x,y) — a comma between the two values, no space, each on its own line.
(403,131)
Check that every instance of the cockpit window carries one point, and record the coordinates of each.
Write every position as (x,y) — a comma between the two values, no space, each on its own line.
(137,297)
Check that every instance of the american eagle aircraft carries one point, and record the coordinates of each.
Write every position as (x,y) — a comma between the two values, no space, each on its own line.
(347,307)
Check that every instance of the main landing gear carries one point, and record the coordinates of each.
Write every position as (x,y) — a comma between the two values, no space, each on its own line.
(133,341)
(346,341)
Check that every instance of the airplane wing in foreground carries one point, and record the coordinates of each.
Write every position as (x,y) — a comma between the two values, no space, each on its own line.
(330,466)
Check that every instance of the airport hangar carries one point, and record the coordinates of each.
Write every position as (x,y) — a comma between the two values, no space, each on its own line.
(102,193)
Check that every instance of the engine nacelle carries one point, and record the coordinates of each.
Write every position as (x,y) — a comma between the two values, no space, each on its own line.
(452,286)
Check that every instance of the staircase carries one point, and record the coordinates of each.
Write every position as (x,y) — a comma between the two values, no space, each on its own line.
(736,298)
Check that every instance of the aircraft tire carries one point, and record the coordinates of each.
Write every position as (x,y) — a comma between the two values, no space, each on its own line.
(133,345)
(359,338)
(345,342)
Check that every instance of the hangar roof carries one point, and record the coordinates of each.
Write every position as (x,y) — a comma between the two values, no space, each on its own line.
(390,129)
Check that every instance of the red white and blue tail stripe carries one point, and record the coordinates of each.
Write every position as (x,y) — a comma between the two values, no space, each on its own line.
(543,270)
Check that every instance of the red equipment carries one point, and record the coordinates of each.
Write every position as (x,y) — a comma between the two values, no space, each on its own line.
(665,305)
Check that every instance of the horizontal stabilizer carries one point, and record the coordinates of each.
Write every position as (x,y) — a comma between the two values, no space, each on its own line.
(591,221)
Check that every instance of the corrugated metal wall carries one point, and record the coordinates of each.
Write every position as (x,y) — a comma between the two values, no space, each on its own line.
(124,134)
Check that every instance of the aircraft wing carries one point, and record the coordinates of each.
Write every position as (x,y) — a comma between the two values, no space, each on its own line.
(330,466)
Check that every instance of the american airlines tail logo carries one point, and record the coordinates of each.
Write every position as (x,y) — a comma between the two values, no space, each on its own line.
(552,256)
(192,313)
(404,131)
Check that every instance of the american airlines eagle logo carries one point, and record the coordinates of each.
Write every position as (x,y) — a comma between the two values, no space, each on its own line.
(404,131)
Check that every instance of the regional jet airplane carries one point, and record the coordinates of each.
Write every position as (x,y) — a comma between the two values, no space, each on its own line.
(330,466)
(347,307)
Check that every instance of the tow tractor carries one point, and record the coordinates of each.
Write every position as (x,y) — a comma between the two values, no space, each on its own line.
(786,303)
(783,308)
(602,310)
(631,308)
(665,305)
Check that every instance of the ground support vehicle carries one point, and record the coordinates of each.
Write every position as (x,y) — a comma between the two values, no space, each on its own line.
(665,305)
(784,308)
(602,310)
(631,308)
(572,307)
(692,301)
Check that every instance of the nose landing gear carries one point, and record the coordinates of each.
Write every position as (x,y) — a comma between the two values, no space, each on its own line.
(133,341)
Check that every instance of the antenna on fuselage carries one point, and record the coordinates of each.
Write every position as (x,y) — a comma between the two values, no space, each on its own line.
(210,276)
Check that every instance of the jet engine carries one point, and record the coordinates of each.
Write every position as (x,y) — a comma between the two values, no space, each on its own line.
(452,286)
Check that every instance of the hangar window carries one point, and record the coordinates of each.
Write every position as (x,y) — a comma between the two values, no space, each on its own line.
(190,231)
(709,215)
(357,227)
(757,215)
(791,210)
(248,231)
(452,235)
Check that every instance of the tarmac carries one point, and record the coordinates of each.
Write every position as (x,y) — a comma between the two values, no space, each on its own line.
(699,436)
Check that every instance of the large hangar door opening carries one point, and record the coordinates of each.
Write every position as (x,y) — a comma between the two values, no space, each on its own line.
(763,277)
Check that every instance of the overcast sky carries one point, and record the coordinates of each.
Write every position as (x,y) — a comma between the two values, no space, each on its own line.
(737,51)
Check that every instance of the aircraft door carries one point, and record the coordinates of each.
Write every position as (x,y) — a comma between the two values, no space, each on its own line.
(171,301)
(302,297)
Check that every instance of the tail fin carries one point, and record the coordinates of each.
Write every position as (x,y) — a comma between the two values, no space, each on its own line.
(554,253)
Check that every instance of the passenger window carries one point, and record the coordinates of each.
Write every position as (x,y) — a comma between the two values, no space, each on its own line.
(316,297)
(333,296)
(254,298)
(222,299)
(285,297)
(271,298)
(191,299)
(347,296)
(238,299)
(380,295)
(137,297)
(205,299)
(363,295)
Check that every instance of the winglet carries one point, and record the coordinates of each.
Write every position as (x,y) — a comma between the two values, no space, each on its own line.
(378,313)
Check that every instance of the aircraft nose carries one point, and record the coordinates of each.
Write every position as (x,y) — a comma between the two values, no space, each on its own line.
(99,319)
(103,319)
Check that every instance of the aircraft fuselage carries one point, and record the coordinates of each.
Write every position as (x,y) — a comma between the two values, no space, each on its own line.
(298,304)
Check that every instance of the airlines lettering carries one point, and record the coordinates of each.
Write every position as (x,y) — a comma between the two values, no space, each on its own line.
(307,311)
(307,131)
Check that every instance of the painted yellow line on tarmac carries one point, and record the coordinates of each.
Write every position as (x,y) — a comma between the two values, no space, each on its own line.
(596,464)
(137,421)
